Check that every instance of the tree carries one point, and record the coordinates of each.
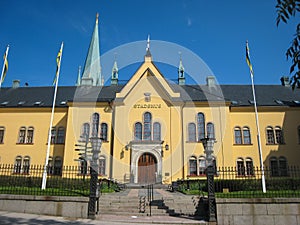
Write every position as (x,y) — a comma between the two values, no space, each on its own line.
(285,10)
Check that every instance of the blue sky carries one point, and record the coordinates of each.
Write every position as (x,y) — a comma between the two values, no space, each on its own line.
(214,30)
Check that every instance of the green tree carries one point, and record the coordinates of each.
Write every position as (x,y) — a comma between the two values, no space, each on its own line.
(285,10)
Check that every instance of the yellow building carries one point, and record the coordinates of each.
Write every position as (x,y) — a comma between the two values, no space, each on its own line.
(150,129)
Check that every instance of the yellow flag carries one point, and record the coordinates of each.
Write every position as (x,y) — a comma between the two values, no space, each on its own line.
(57,65)
(248,58)
(5,67)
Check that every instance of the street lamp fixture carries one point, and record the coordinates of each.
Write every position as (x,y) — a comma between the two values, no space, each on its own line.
(208,144)
(96,145)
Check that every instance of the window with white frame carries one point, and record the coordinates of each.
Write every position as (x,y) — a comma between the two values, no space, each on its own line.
(193,166)
(245,167)
(242,135)
(274,136)
(22,135)
(26,135)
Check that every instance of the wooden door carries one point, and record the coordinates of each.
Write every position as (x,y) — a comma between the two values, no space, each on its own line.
(146,168)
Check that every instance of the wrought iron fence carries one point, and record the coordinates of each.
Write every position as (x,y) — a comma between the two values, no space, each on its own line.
(231,182)
(63,181)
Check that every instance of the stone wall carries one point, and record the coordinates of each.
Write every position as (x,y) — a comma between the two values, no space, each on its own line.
(258,211)
(75,207)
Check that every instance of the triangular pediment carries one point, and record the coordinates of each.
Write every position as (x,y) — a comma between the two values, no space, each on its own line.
(149,76)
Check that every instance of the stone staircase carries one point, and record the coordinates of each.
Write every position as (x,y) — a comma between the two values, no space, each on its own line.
(135,203)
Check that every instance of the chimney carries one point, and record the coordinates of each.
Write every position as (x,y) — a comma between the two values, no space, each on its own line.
(285,81)
(16,84)
(211,81)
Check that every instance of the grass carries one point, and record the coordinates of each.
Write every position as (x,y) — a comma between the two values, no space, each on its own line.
(248,194)
(17,190)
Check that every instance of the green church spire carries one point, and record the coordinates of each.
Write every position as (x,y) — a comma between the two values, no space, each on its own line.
(92,69)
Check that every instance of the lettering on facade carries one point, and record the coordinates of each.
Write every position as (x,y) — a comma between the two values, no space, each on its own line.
(147,106)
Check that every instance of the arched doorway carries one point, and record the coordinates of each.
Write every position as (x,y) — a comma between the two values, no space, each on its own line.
(147,168)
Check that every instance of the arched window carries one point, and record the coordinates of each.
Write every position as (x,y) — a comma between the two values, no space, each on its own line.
(192,132)
(18,164)
(201,126)
(22,136)
(60,135)
(26,164)
(193,166)
(279,135)
(57,166)
(85,131)
(270,135)
(156,131)
(50,165)
(102,162)
(237,135)
(95,124)
(147,126)
(30,131)
(202,165)
(210,130)
(274,167)
(246,136)
(83,167)
(283,167)
(240,167)
(103,132)
(138,131)
(2,130)
(53,135)
(249,167)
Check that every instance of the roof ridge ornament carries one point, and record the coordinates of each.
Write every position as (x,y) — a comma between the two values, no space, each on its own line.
(148,53)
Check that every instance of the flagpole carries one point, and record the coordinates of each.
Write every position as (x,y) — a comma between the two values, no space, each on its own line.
(263,181)
(44,181)
(2,73)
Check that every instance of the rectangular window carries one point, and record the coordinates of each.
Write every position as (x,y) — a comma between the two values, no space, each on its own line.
(193,167)
(60,135)
(30,135)
(240,168)
(270,136)
(279,136)
(22,134)
(237,136)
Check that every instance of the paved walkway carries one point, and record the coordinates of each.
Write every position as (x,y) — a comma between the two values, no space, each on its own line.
(13,218)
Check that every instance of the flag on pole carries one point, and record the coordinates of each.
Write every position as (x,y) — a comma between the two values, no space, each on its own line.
(248,58)
(5,67)
(58,58)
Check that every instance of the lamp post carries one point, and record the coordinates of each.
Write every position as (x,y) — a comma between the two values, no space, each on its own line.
(96,145)
(208,144)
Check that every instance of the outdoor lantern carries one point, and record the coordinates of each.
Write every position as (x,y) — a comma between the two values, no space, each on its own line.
(96,145)
(208,144)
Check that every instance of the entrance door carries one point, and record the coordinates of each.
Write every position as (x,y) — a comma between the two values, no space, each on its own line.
(147,168)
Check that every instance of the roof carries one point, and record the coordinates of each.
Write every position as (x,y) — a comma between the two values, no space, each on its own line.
(238,95)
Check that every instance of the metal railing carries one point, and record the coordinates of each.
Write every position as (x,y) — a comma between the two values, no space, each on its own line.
(61,181)
(239,183)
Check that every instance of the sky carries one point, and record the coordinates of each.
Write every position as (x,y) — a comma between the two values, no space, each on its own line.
(215,31)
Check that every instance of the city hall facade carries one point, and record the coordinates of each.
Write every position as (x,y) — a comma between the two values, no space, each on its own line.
(151,129)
